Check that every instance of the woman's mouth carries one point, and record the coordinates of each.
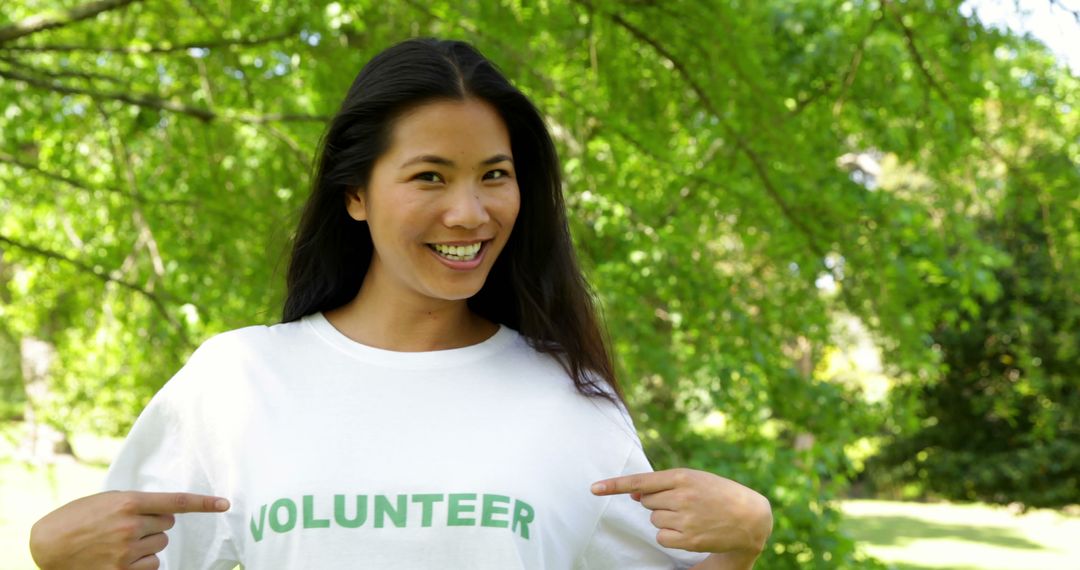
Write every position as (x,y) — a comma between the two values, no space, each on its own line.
(466,252)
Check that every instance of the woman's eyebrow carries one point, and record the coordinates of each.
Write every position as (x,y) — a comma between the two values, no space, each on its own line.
(434,159)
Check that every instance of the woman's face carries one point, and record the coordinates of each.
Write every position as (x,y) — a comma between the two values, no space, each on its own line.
(441,201)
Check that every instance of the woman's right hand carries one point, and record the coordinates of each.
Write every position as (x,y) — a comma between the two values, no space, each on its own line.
(113,530)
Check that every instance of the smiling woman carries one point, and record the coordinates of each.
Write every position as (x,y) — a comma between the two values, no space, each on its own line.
(439,374)
(440,206)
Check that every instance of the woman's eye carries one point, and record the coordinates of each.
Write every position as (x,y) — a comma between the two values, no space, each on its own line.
(497,174)
(428,177)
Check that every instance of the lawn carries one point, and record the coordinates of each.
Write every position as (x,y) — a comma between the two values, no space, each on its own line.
(27,493)
(920,536)
(911,536)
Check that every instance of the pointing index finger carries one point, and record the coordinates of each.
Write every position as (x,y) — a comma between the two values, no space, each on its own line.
(647,483)
(169,503)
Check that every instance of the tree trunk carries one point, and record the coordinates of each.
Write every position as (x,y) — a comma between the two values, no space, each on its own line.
(43,441)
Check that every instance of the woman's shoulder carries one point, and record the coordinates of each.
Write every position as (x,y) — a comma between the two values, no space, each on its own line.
(222,357)
(543,368)
(252,340)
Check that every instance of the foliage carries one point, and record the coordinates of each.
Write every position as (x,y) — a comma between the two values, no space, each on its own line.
(1003,424)
(719,161)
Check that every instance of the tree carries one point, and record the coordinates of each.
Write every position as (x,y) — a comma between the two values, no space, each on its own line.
(1003,423)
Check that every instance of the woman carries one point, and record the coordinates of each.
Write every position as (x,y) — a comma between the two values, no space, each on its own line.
(438,394)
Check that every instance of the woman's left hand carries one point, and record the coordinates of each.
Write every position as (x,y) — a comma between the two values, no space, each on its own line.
(698,511)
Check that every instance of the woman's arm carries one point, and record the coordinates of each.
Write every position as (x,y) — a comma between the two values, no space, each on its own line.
(727,561)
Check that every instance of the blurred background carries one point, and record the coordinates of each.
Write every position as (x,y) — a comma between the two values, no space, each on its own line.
(836,242)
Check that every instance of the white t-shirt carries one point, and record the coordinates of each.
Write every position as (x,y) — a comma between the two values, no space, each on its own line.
(339,455)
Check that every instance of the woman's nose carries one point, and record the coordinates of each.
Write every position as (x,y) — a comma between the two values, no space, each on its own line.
(466,207)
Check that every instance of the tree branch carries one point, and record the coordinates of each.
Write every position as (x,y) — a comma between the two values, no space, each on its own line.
(159,48)
(966,122)
(618,130)
(856,61)
(741,143)
(157,299)
(9,159)
(756,161)
(245,81)
(302,156)
(1060,4)
(909,37)
(14,62)
(42,22)
(212,207)
(205,115)
(121,157)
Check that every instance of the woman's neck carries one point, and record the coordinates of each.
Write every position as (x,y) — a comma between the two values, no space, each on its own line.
(409,325)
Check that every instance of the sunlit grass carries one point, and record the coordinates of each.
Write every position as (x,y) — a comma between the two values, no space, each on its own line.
(28,492)
(917,536)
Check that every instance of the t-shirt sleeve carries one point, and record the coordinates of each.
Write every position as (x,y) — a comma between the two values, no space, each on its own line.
(625,538)
(161,454)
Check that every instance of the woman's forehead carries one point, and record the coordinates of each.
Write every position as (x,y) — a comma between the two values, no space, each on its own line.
(464,129)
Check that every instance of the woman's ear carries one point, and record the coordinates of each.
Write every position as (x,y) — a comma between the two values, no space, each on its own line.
(354,203)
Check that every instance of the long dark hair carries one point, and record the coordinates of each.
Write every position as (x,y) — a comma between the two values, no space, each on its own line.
(535,285)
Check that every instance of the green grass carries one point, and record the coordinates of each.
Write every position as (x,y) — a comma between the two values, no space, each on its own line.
(27,493)
(922,536)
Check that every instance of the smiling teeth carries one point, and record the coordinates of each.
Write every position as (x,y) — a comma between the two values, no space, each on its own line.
(457,252)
